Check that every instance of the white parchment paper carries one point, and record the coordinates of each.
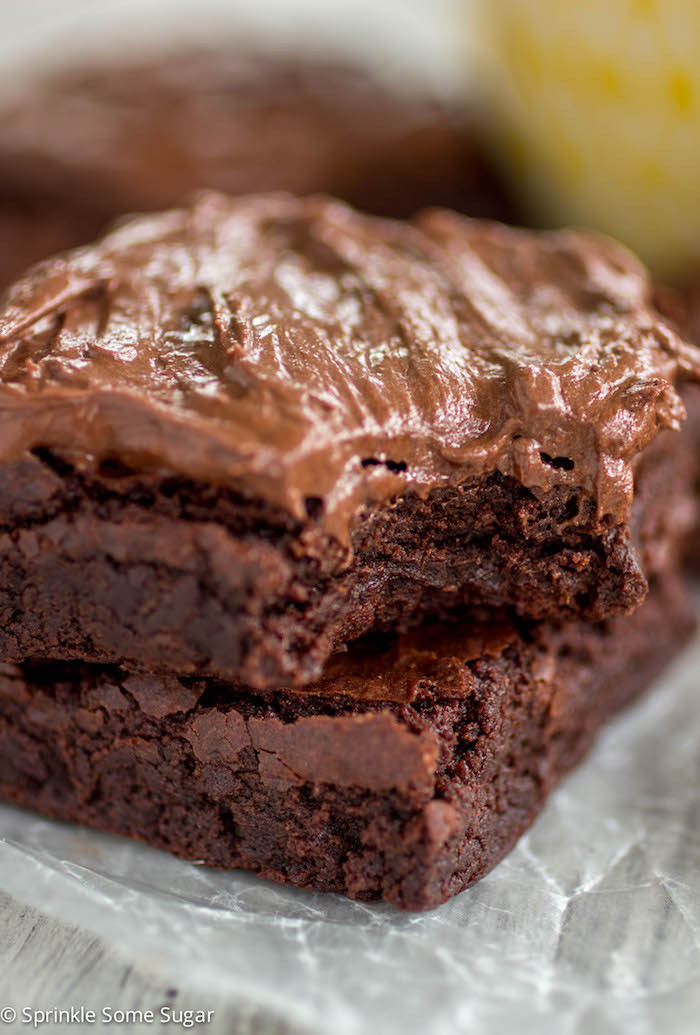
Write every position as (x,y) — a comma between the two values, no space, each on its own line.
(592,925)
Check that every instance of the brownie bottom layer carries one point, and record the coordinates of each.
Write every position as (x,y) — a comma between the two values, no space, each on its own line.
(409,798)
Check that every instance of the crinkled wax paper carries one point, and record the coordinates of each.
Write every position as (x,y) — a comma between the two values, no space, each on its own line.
(592,925)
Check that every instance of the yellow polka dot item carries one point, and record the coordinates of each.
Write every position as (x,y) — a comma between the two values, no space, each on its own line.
(596,112)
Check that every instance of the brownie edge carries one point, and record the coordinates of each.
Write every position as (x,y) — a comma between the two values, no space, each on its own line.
(408,792)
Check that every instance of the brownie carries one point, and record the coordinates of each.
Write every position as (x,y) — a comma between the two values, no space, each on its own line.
(81,147)
(691,330)
(238,435)
(406,774)
(681,307)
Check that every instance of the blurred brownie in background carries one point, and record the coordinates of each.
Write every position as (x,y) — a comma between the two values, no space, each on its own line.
(82,147)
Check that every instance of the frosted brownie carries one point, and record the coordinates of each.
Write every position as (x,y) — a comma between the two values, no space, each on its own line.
(238,435)
(81,147)
(405,774)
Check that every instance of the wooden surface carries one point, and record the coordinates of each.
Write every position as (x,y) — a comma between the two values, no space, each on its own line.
(46,964)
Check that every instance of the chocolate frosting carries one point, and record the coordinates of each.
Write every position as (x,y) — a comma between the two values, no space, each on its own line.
(295,350)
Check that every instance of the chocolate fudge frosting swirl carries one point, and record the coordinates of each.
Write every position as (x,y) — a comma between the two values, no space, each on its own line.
(295,350)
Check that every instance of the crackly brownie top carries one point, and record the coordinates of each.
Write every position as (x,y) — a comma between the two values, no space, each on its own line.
(134,137)
(296,350)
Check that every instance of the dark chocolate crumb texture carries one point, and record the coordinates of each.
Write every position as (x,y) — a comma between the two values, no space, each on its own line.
(680,306)
(237,435)
(406,774)
(683,307)
(83,146)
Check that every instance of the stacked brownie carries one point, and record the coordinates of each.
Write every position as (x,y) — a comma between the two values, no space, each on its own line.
(328,541)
